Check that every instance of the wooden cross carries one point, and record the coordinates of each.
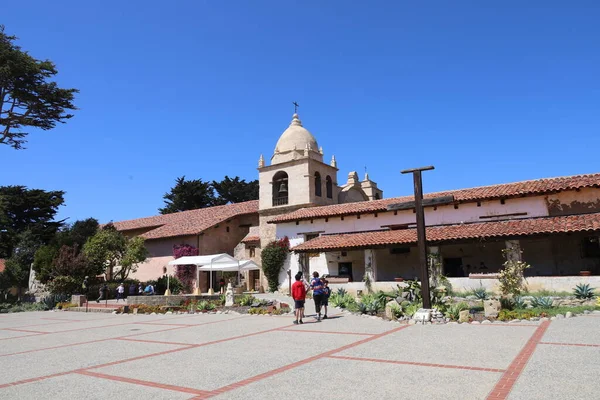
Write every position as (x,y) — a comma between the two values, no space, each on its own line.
(296,105)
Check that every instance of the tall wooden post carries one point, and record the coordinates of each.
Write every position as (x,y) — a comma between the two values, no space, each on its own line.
(421,237)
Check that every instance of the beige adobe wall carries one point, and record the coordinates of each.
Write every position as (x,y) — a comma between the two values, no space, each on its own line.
(164,247)
(299,183)
(325,170)
(223,238)
(581,201)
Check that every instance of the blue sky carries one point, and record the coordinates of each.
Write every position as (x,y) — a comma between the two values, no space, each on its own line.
(487,92)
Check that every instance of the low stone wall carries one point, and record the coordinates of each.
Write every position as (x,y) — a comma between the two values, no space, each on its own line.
(534,283)
(174,300)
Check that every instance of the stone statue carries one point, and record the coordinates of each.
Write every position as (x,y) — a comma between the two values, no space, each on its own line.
(229,296)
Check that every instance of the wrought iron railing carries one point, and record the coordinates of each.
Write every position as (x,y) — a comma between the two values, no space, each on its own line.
(280,201)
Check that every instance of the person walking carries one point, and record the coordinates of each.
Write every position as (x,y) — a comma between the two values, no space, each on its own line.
(299,296)
(132,289)
(121,292)
(140,289)
(103,292)
(317,287)
(326,294)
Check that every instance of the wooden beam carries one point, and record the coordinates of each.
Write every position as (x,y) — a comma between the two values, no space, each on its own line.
(436,201)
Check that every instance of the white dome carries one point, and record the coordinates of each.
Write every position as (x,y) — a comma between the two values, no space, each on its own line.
(296,137)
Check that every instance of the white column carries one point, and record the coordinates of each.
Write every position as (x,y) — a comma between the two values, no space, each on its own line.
(371,264)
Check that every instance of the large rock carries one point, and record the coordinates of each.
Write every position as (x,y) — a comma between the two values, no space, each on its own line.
(464,316)
(389,314)
(491,308)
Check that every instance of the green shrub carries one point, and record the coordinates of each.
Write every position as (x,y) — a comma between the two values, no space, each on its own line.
(396,310)
(341,292)
(453,312)
(511,276)
(246,300)
(273,257)
(175,285)
(480,293)
(342,301)
(66,285)
(370,304)
(412,308)
(205,305)
(583,291)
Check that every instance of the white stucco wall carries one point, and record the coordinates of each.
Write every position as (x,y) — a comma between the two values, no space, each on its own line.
(470,212)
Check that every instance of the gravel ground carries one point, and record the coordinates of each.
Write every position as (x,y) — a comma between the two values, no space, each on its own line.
(67,355)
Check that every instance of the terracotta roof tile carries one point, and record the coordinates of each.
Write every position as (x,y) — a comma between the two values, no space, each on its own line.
(185,223)
(507,190)
(252,236)
(481,230)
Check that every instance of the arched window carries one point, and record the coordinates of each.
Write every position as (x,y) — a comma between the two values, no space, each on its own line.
(280,189)
(318,189)
(329,187)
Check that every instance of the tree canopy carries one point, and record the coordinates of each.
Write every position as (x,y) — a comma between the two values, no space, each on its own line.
(109,250)
(64,256)
(235,190)
(23,209)
(28,96)
(194,194)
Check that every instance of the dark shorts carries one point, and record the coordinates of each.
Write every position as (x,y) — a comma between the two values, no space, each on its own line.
(298,304)
(325,301)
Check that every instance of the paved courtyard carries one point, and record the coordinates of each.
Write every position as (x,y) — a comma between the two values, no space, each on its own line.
(69,355)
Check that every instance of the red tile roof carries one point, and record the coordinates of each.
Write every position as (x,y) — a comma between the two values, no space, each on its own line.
(507,190)
(253,235)
(480,230)
(185,223)
(2,264)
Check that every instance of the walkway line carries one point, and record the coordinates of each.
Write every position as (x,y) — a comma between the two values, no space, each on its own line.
(571,344)
(330,332)
(296,364)
(420,364)
(508,380)
(160,353)
(143,383)
(153,341)
(112,338)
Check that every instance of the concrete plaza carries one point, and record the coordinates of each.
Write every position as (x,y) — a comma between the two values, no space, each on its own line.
(70,355)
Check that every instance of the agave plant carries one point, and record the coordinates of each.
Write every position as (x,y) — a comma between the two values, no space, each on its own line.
(542,302)
(480,293)
(454,311)
(583,291)
(341,292)
(518,302)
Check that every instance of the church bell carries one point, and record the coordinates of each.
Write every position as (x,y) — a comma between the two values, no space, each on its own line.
(283,188)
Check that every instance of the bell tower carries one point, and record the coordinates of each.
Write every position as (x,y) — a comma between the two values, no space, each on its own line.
(296,178)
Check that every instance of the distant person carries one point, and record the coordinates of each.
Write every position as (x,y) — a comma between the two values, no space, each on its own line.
(299,296)
(326,294)
(306,286)
(317,287)
(132,290)
(103,293)
(149,291)
(140,289)
(85,286)
(121,292)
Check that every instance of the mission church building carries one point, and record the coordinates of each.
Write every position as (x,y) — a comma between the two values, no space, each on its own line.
(347,232)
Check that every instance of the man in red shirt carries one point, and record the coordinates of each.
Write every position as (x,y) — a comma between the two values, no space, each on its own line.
(299,296)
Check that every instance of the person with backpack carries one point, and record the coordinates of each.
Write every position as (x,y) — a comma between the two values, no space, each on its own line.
(299,296)
(317,286)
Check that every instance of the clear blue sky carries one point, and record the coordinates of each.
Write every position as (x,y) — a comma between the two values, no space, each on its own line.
(488,93)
